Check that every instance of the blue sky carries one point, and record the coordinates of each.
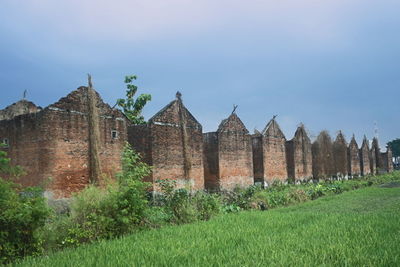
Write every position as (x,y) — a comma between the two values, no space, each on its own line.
(332,64)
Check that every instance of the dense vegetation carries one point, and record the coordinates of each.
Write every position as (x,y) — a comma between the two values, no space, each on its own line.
(357,228)
(124,207)
(22,215)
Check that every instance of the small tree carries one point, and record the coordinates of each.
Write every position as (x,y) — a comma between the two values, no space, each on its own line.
(395,146)
(131,107)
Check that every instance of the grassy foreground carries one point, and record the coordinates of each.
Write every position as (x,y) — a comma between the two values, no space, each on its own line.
(356,228)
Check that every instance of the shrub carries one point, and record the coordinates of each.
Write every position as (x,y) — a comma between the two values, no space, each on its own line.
(239,198)
(22,214)
(207,205)
(297,195)
(120,208)
(184,207)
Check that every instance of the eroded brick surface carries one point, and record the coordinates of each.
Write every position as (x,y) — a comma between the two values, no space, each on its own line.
(270,153)
(323,162)
(340,155)
(228,157)
(299,155)
(387,162)
(172,142)
(19,108)
(364,158)
(52,145)
(372,160)
(353,158)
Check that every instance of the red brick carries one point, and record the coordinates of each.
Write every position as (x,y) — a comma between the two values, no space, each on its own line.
(228,157)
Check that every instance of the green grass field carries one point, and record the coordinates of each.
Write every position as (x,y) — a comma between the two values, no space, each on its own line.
(357,228)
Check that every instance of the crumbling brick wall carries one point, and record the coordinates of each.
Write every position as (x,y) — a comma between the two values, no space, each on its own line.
(299,156)
(378,156)
(364,158)
(387,160)
(258,163)
(322,153)
(173,145)
(52,145)
(211,161)
(272,151)
(353,158)
(19,108)
(372,160)
(228,159)
(340,155)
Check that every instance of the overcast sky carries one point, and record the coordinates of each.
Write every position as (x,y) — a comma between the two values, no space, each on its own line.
(330,64)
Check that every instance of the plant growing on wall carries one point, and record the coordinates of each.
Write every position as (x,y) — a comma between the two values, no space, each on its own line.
(131,107)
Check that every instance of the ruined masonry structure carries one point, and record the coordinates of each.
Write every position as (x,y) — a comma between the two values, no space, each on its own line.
(365,158)
(19,108)
(53,145)
(340,155)
(387,160)
(372,161)
(228,156)
(353,159)
(171,142)
(379,166)
(322,152)
(79,140)
(269,154)
(299,156)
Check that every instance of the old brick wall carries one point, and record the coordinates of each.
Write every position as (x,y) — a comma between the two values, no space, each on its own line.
(299,155)
(235,160)
(19,108)
(353,158)
(28,146)
(372,160)
(365,164)
(322,153)
(52,145)
(176,146)
(340,155)
(211,161)
(378,156)
(229,154)
(387,160)
(258,163)
(274,153)
(139,137)
(68,124)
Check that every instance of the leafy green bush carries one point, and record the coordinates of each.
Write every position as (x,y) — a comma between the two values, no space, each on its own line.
(298,195)
(22,214)
(98,213)
(207,205)
(184,207)
(239,198)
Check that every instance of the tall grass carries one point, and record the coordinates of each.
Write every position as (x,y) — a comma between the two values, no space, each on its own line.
(357,228)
